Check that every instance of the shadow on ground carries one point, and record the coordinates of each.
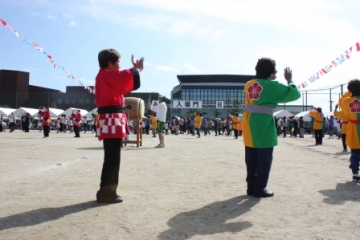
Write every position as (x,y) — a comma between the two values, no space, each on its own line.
(343,192)
(42,215)
(210,219)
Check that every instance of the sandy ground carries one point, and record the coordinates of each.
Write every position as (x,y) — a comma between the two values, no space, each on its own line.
(192,189)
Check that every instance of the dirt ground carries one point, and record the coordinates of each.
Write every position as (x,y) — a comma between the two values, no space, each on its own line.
(194,188)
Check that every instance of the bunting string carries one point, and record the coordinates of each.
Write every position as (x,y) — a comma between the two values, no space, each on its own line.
(329,67)
(49,57)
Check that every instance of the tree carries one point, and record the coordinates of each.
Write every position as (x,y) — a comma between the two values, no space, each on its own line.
(5,106)
(53,105)
(216,113)
(192,111)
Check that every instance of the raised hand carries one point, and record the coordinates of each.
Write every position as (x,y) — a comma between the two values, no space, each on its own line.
(138,64)
(288,74)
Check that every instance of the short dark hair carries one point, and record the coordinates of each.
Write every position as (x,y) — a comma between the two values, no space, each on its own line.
(354,87)
(107,55)
(319,109)
(265,67)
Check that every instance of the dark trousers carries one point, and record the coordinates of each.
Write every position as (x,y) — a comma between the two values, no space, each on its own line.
(295,131)
(354,160)
(46,130)
(318,136)
(227,130)
(77,131)
(147,128)
(343,138)
(61,127)
(284,131)
(236,133)
(94,127)
(111,166)
(258,165)
(26,127)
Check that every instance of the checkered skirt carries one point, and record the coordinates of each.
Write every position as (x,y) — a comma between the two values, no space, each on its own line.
(112,125)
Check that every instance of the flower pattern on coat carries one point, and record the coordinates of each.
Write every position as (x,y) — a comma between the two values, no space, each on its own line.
(254,91)
(355,106)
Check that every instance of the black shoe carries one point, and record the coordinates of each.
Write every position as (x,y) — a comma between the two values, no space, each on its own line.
(101,199)
(249,192)
(265,193)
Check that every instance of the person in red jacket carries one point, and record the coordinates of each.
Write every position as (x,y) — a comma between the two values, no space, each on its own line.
(76,115)
(45,113)
(110,87)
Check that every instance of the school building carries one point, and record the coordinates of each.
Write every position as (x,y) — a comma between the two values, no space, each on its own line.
(214,95)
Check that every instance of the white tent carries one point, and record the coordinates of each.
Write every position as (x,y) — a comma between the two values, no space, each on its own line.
(6,111)
(69,111)
(328,114)
(89,114)
(21,110)
(305,115)
(54,112)
(283,113)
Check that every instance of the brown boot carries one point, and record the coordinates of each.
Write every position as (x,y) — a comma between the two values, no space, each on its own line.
(108,195)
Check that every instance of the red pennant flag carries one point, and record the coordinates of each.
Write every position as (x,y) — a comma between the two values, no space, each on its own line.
(3,22)
(357,46)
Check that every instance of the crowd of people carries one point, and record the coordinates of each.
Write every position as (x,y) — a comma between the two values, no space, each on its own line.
(62,124)
(194,125)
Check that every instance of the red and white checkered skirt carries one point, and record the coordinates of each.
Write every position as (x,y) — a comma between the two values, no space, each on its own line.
(112,125)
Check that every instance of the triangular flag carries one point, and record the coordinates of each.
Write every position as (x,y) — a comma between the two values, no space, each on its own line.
(3,22)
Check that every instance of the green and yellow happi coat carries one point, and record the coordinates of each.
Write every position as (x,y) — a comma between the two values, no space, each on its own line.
(261,98)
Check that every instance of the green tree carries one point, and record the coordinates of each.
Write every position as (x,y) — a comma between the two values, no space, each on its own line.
(216,113)
(53,105)
(5,106)
(192,111)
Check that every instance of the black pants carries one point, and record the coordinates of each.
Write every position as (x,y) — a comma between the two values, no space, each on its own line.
(26,127)
(284,131)
(77,131)
(258,165)
(295,131)
(46,130)
(147,128)
(61,129)
(111,165)
(318,136)
(236,133)
(94,127)
(343,138)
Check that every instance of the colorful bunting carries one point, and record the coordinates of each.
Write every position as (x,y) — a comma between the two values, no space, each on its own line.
(339,60)
(52,62)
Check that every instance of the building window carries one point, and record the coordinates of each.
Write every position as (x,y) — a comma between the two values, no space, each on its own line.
(87,101)
(67,101)
(59,101)
(73,101)
(81,101)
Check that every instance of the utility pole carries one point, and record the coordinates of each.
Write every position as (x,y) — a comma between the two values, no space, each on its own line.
(330,101)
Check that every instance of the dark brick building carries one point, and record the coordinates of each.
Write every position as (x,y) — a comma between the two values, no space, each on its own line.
(15,92)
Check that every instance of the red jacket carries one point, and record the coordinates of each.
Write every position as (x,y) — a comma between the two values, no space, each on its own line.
(110,88)
(77,118)
(46,116)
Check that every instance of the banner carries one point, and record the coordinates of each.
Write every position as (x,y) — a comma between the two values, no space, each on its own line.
(155,104)
(186,104)
(219,104)
(49,57)
(334,63)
